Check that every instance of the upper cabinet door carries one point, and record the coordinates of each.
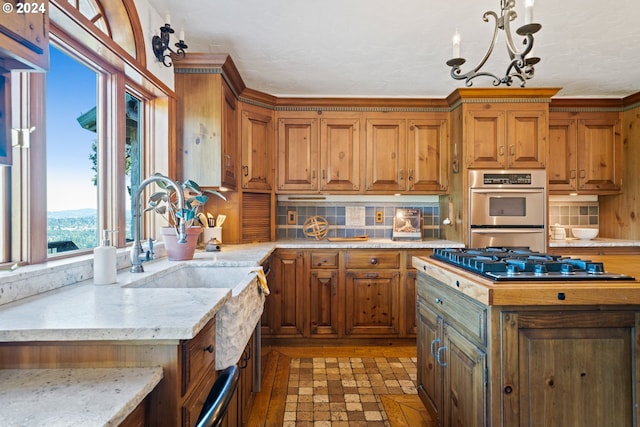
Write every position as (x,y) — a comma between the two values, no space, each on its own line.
(257,151)
(526,139)
(386,155)
(340,154)
(561,165)
(298,154)
(230,139)
(599,155)
(485,138)
(427,159)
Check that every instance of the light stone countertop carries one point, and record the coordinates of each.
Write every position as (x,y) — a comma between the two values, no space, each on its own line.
(593,243)
(73,397)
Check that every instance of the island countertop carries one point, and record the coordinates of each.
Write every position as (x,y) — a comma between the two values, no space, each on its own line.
(544,293)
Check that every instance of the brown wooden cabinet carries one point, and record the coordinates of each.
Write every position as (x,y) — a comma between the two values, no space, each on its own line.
(573,368)
(258,152)
(585,153)
(406,154)
(188,368)
(504,136)
(207,122)
(452,359)
(24,36)
(319,153)
(286,306)
(324,289)
(354,293)
(524,365)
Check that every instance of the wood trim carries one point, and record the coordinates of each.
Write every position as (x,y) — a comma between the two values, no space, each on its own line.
(501,94)
(580,104)
(631,100)
(216,63)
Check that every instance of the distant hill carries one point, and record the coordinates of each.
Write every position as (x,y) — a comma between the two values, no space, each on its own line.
(73,213)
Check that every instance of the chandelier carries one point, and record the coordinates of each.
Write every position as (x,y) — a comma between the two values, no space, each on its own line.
(160,44)
(520,66)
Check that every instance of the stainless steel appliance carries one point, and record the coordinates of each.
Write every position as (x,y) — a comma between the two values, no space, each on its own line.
(522,264)
(507,208)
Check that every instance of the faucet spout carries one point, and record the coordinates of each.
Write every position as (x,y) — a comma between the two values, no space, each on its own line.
(136,249)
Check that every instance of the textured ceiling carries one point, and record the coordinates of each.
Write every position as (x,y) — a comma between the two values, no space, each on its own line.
(398,48)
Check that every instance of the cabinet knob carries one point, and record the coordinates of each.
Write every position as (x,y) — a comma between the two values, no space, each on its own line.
(373,261)
(209,348)
(438,301)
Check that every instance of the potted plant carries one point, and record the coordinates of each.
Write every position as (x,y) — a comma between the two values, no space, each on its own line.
(164,202)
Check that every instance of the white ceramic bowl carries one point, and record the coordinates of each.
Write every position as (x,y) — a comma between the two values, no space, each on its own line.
(584,233)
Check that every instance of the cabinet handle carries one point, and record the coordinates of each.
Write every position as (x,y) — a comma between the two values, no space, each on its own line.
(573,174)
(313,174)
(373,261)
(228,157)
(438,301)
(333,289)
(438,359)
(582,173)
(323,174)
(512,149)
(410,174)
(501,151)
(401,174)
(433,346)
(245,170)
(209,348)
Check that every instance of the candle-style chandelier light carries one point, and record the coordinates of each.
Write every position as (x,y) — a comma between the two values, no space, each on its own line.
(520,65)
(160,44)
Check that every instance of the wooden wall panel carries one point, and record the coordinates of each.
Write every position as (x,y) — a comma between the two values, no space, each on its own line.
(619,213)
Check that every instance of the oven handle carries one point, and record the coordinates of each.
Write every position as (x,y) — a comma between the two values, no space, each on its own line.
(507,230)
(506,190)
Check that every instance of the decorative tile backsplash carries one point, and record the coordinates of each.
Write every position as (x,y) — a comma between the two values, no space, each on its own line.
(336,217)
(574,214)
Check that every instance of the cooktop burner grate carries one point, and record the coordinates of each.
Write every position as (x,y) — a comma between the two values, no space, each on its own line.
(523,264)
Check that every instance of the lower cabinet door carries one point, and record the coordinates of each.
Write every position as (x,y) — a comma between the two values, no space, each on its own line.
(429,379)
(464,371)
(324,303)
(372,303)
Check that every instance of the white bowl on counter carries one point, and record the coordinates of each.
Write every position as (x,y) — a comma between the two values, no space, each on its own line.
(584,233)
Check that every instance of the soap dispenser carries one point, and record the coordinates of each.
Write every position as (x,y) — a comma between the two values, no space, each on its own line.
(104,261)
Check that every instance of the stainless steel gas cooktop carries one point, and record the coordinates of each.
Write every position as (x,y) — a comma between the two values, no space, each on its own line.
(523,264)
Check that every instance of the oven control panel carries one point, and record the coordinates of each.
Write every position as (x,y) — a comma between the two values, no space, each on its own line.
(507,178)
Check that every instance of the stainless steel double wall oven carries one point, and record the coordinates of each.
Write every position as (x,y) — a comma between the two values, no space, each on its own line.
(508,208)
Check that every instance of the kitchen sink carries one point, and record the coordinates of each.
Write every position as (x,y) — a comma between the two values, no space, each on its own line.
(234,278)
(238,318)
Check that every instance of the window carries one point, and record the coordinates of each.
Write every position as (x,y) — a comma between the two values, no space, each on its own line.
(93,116)
(72,154)
(133,156)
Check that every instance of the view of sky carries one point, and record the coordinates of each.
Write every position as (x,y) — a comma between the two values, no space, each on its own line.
(71,91)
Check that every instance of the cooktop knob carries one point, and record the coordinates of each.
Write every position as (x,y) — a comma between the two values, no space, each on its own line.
(566,269)
(539,269)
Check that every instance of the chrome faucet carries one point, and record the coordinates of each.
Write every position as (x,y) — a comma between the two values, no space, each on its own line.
(136,249)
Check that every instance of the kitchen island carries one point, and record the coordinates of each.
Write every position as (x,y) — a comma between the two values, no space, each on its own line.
(554,353)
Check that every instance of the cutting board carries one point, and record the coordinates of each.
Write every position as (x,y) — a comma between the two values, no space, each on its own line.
(349,239)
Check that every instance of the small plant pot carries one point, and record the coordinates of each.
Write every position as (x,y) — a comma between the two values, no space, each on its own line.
(180,251)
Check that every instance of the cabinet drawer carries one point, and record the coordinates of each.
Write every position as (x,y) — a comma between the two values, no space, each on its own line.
(322,259)
(373,260)
(198,355)
(455,308)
